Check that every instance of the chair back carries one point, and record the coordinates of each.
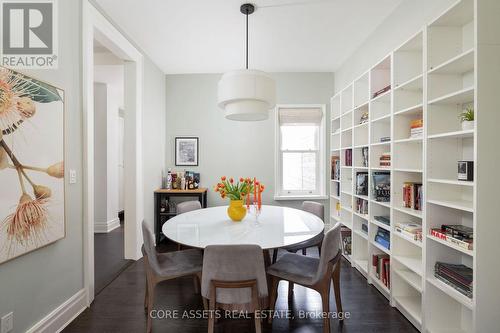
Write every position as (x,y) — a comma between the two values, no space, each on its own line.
(187,206)
(315,208)
(329,250)
(232,263)
(148,247)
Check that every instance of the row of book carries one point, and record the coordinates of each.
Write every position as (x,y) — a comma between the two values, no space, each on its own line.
(348,157)
(416,128)
(383,237)
(409,230)
(385,160)
(459,235)
(335,164)
(382,268)
(458,276)
(412,195)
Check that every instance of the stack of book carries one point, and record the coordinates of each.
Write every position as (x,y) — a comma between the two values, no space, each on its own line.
(412,195)
(416,128)
(346,240)
(335,167)
(382,267)
(385,160)
(348,157)
(361,206)
(383,237)
(459,235)
(409,230)
(457,276)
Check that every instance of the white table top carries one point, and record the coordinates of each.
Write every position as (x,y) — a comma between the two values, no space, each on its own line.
(276,227)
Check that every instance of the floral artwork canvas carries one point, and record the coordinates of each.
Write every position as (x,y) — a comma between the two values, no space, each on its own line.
(31,164)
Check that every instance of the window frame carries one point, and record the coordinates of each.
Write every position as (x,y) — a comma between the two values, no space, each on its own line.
(320,192)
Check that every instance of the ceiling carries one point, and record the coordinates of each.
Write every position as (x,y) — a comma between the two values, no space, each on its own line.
(201,36)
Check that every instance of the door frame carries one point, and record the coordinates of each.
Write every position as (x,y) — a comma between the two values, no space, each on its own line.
(96,26)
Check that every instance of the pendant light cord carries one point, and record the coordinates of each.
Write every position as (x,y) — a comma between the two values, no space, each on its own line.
(247,42)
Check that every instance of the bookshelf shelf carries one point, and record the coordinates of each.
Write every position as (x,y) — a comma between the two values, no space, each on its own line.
(408,170)
(408,239)
(381,285)
(412,263)
(456,134)
(450,182)
(360,234)
(412,110)
(458,97)
(385,204)
(411,278)
(459,64)
(409,211)
(450,291)
(362,264)
(335,218)
(414,83)
(380,247)
(386,117)
(411,305)
(381,225)
(386,143)
(450,245)
(384,98)
(334,197)
(455,204)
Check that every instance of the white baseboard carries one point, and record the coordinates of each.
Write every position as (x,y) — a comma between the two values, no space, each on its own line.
(64,314)
(105,227)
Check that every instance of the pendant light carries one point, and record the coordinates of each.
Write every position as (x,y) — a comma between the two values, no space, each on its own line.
(246,94)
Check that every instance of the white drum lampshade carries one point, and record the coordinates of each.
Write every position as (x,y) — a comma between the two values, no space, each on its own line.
(246,95)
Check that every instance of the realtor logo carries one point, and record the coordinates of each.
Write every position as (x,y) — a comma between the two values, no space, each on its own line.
(29,34)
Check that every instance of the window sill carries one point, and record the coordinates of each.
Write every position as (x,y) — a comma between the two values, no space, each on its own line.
(300,197)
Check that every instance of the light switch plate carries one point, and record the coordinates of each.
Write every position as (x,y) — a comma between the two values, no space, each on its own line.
(72,176)
(7,323)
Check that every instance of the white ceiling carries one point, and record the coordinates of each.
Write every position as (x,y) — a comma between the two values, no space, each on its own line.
(208,36)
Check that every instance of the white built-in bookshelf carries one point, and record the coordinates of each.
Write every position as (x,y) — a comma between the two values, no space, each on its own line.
(433,76)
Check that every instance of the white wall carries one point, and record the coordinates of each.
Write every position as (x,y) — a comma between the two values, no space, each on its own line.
(36,283)
(406,20)
(234,148)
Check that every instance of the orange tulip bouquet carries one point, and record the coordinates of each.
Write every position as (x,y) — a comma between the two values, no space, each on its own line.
(240,192)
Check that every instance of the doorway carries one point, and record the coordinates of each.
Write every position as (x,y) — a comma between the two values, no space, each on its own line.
(97,30)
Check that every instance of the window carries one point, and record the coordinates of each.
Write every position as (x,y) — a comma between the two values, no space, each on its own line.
(300,152)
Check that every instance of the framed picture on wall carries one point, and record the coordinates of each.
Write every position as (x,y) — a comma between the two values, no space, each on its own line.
(32,188)
(186,151)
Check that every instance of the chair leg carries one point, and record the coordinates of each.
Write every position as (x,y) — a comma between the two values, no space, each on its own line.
(304,251)
(151,300)
(290,289)
(196,284)
(146,297)
(211,308)
(256,307)
(325,298)
(319,250)
(336,288)
(275,255)
(272,297)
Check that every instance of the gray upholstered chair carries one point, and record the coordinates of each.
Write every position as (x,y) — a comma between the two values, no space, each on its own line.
(317,209)
(234,278)
(312,273)
(184,207)
(187,206)
(166,266)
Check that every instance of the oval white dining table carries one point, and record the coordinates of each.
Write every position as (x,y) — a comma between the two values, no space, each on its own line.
(275,227)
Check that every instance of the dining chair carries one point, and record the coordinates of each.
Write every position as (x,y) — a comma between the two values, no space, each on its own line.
(317,209)
(234,279)
(184,207)
(166,266)
(312,273)
(187,206)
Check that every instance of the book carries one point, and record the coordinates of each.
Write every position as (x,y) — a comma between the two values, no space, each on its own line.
(381,91)
(362,183)
(381,186)
(381,268)
(346,240)
(385,159)
(412,195)
(458,231)
(464,244)
(382,241)
(348,157)
(385,139)
(383,219)
(361,206)
(459,276)
(335,166)
(364,153)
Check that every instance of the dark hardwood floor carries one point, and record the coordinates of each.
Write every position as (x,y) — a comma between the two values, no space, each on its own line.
(119,308)
(109,256)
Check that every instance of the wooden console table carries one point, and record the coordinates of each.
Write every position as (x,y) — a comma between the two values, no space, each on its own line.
(162,217)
